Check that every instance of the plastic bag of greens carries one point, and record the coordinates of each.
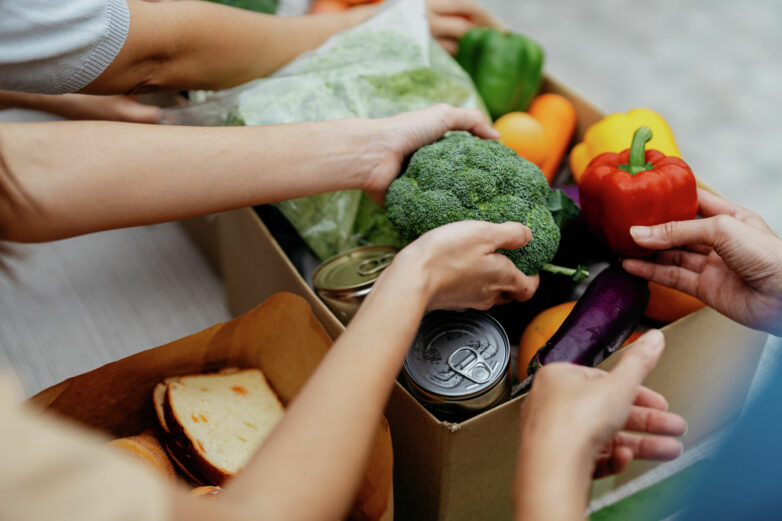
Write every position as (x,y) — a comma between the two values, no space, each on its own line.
(385,66)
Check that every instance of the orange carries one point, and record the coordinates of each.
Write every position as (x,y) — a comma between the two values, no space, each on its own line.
(538,332)
(668,304)
(524,134)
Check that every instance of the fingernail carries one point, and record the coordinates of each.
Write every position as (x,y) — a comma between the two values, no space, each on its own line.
(655,338)
(640,232)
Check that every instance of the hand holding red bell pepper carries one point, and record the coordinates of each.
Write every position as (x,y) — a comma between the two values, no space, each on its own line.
(635,187)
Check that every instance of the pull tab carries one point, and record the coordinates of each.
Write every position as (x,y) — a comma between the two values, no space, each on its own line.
(472,365)
(372,266)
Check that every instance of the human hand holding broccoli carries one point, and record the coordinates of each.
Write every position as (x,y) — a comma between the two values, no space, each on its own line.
(464,178)
(392,139)
(457,266)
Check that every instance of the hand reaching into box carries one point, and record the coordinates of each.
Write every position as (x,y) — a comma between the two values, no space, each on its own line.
(573,425)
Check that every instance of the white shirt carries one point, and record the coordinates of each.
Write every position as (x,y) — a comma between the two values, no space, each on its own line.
(59,46)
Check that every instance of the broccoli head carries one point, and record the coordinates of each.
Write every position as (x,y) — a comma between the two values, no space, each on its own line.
(463,177)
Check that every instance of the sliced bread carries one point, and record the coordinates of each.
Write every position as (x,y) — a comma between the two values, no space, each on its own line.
(147,450)
(220,419)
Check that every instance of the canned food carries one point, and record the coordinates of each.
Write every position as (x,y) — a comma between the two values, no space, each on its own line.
(459,364)
(344,280)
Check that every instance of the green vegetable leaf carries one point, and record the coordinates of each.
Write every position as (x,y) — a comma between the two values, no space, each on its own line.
(562,208)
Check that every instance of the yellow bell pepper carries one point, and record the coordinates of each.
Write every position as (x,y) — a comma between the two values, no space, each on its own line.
(615,131)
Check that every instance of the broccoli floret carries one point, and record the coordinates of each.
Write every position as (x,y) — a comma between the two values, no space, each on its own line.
(462,177)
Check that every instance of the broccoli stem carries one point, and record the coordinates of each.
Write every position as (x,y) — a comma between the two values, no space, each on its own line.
(578,273)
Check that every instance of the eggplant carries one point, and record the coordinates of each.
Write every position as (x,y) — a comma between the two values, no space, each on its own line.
(604,317)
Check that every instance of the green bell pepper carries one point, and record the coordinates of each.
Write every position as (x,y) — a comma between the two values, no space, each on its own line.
(507,68)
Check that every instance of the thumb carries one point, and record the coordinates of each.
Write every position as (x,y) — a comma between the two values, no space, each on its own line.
(636,364)
(510,236)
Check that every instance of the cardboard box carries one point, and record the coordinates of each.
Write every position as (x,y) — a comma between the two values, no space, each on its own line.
(463,472)
(281,337)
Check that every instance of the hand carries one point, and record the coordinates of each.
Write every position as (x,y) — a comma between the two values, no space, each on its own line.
(460,268)
(108,108)
(731,260)
(393,139)
(450,19)
(573,422)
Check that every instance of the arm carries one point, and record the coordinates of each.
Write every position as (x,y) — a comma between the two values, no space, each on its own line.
(730,259)
(80,106)
(556,464)
(323,442)
(131,175)
(203,45)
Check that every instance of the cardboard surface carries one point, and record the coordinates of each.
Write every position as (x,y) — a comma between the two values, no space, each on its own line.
(281,337)
(204,233)
(463,472)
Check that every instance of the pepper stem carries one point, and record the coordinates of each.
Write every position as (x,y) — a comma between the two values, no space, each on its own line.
(637,161)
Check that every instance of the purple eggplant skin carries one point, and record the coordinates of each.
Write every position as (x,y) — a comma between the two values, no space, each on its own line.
(602,319)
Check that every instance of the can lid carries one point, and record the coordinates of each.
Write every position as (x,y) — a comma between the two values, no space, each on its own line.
(458,354)
(353,269)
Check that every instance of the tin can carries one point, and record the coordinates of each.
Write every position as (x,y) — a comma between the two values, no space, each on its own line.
(343,281)
(459,364)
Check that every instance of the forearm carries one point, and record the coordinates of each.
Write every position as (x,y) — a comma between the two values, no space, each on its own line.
(551,484)
(201,45)
(326,436)
(97,176)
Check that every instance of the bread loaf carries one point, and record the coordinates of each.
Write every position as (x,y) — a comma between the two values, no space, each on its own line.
(220,420)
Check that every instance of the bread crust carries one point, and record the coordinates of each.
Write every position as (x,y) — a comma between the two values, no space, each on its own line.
(192,456)
(146,449)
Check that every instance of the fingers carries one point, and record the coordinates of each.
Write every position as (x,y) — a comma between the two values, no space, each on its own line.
(509,236)
(636,363)
(653,421)
(525,286)
(681,233)
(135,112)
(648,398)
(513,284)
(450,46)
(613,462)
(657,448)
(475,122)
(686,259)
(672,276)
(472,9)
(452,27)
(711,205)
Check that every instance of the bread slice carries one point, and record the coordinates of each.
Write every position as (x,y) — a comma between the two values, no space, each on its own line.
(159,396)
(221,419)
(181,458)
(147,450)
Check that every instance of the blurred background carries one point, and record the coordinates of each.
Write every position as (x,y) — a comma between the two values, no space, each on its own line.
(711,67)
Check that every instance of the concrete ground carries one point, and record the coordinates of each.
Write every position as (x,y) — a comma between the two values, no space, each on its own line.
(711,67)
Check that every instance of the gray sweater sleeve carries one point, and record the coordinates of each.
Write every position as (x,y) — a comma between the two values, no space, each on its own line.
(59,46)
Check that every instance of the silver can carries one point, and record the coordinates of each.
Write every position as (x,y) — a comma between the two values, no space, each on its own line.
(459,364)
(343,281)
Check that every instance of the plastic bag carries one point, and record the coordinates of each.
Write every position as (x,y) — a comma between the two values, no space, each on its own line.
(387,65)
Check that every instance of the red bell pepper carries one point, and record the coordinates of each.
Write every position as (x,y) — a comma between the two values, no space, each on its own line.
(635,187)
